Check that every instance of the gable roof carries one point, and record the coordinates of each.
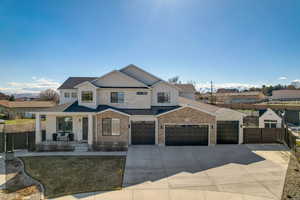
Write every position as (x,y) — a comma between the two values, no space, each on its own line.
(140,74)
(131,72)
(71,82)
(121,77)
(207,107)
(186,87)
(270,111)
(27,104)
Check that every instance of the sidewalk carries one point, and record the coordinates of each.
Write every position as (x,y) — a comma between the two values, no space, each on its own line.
(71,153)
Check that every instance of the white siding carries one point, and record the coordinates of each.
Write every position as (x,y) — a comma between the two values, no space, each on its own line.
(118,79)
(163,87)
(63,100)
(88,87)
(270,115)
(131,100)
(50,126)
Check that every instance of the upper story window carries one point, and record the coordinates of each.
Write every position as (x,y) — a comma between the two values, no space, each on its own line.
(86,96)
(141,93)
(67,95)
(163,97)
(74,95)
(117,97)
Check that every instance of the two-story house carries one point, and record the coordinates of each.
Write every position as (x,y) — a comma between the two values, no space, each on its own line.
(130,107)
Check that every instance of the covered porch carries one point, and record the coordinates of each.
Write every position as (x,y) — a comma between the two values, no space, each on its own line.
(64,129)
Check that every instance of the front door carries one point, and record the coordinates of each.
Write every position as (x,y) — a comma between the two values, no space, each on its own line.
(85,128)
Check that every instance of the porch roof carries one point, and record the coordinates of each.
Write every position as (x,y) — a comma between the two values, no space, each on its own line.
(75,108)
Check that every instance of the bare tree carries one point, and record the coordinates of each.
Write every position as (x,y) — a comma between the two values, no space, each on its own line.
(49,95)
(174,79)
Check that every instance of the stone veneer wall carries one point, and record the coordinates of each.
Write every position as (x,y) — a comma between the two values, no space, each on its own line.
(19,128)
(187,116)
(123,137)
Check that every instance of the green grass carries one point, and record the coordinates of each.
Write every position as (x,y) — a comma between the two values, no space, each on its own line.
(19,121)
(64,175)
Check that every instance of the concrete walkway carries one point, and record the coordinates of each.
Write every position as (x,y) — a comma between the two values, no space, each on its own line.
(229,172)
(71,153)
(2,171)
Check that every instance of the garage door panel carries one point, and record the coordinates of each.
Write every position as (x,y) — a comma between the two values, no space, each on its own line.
(181,135)
(227,132)
(143,132)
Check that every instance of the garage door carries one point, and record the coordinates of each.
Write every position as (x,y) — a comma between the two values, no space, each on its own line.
(143,132)
(179,135)
(227,132)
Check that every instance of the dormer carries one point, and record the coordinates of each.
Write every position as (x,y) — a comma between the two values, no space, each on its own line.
(164,94)
(87,94)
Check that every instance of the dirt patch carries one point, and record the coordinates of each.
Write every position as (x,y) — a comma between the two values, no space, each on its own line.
(18,185)
(291,189)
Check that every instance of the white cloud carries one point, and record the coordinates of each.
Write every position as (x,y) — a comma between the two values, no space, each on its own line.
(34,86)
(282,78)
(204,87)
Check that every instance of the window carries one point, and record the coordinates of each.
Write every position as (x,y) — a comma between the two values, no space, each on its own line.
(110,127)
(67,95)
(141,93)
(163,97)
(117,97)
(74,95)
(87,96)
(64,124)
(270,123)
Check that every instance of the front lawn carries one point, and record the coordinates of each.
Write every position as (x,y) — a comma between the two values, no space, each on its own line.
(63,175)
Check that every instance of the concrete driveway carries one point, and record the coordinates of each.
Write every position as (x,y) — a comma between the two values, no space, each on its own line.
(222,172)
(219,172)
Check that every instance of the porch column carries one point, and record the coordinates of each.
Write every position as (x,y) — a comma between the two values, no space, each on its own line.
(90,129)
(38,134)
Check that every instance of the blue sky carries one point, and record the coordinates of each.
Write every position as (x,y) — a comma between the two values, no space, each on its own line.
(232,42)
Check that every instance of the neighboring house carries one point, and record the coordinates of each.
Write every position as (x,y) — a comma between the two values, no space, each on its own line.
(3,96)
(131,106)
(236,97)
(22,109)
(286,95)
(187,90)
(269,119)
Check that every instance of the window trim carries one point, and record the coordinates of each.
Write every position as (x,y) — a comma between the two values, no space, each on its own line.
(64,126)
(67,95)
(269,123)
(87,101)
(117,97)
(74,95)
(140,93)
(167,96)
(111,129)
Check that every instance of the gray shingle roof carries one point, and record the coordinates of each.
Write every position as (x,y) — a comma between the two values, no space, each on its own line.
(73,81)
